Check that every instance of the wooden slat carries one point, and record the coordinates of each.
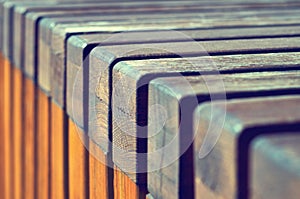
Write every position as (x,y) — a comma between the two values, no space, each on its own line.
(179,97)
(274,159)
(18,131)
(2,123)
(102,58)
(131,75)
(43,139)
(54,66)
(245,120)
(149,196)
(30,149)
(7,110)
(58,155)
(78,162)
(44,80)
(100,176)
(1,25)
(55,11)
(125,188)
(80,46)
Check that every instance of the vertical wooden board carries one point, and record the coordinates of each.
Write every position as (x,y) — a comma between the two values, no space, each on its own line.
(99,173)
(78,163)
(125,188)
(2,133)
(18,131)
(8,136)
(43,139)
(58,154)
(29,138)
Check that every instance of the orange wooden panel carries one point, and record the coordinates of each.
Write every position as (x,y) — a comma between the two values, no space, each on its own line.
(78,164)
(125,188)
(43,129)
(99,174)
(29,138)
(8,149)
(2,135)
(17,131)
(58,154)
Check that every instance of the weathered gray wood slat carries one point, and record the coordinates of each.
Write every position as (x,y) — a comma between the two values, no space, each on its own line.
(105,6)
(44,79)
(1,25)
(80,46)
(21,11)
(45,82)
(171,6)
(274,166)
(61,32)
(31,27)
(179,98)
(8,9)
(32,19)
(225,171)
(103,59)
(7,18)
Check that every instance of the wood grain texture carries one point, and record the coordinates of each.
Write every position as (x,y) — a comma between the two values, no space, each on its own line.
(43,141)
(58,153)
(80,46)
(114,26)
(104,59)
(29,114)
(133,77)
(2,134)
(274,166)
(78,163)
(179,97)
(245,120)
(18,131)
(100,176)
(125,188)
(8,137)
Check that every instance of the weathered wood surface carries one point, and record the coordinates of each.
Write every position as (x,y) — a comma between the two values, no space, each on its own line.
(63,30)
(7,27)
(32,18)
(1,25)
(103,59)
(100,176)
(58,153)
(78,169)
(7,114)
(29,118)
(274,166)
(57,87)
(149,196)
(179,97)
(80,46)
(245,120)
(43,141)
(130,76)
(17,131)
